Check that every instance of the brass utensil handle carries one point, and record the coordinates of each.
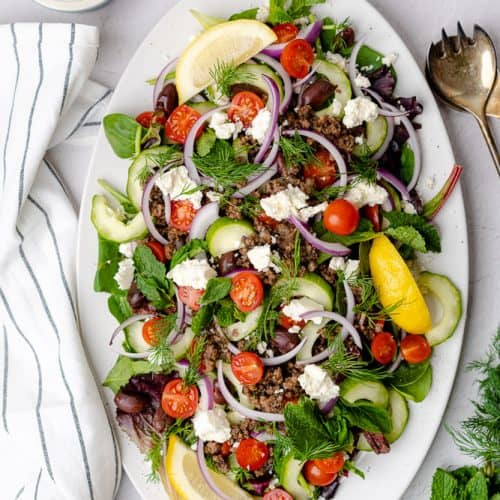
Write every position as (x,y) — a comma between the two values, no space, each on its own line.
(485,129)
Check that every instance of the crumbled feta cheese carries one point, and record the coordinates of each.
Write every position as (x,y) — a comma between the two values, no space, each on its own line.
(269,353)
(337,59)
(260,258)
(177,184)
(261,347)
(359,110)
(213,196)
(317,384)
(336,107)
(294,329)
(128,249)
(408,207)
(263,12)
(362,81)
(212,425)
(194,446)
(337,263)
(274,239)
(260,125)
(290,201)
(367,69)
(389,59)
(192,272)
(219,98)
(297,307)
(125,273)
(301,21)
(359,139)
(366,193)
(351,268)
(222,126)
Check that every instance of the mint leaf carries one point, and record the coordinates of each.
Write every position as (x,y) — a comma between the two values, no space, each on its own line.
(205,142)
(366,416)
(107,266)
(476,488)
(407,163)
(228,313)
(302,8)
(444,486)
(217,289)
(246,14)
(408,235)
(202,318)
(278,13)
(188,251)
(119,307)
(123,370)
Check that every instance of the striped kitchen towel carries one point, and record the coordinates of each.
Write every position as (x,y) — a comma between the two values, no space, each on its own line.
(56,441)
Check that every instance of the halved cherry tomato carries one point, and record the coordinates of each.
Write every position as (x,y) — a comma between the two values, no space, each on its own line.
(247,291)
(372,213)
(269,221)
(179,401)
(341,217)
(225,449)
(415,348)
(322,171)
(244,107)
(277,494)
(190,296)
(149,331)
(252,454)
(180,122)
(158,250)
(285,32)
(316,476)
(297,58)
(383,347)
(182,214)
(331,465)
(287,322)
(247,367)
(146,118)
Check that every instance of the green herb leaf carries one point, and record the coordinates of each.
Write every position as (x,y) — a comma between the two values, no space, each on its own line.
(246,14)
(407,163)
(205,142)
(408,374)
(107,266)
(331,41)
(217,289)
(123,370)
(444,486)
(476,488)
(296,151)
(366,416)
(119,307)
(225,74)
(123,200)
(121,132)
(202,318)
(408,235)
(188,251)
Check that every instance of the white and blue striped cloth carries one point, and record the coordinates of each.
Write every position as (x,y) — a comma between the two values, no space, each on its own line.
(56,441)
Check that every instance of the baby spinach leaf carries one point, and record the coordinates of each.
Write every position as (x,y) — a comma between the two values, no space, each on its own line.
(408,374)
(217,289)
(407,163)
(119,307)
(123,370)
(107,266)
(366,416)
(202,318)
(123,134)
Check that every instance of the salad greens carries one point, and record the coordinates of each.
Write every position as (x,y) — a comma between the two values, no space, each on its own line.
(123,133)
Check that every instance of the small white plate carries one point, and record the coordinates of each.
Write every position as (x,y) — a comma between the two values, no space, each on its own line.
(72,5)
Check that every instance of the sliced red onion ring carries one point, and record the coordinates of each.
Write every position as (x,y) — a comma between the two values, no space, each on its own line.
(327,407)
(306,78)
(237,406)
(257,182)
(273,154)
(203,219)
(274,104)
(287,83)
(160,80)
(181,316)
(234,272)
(394,181)
(381,102)
(323,246)
(207,475)
(190,140)
(206,393)
(263,436)
(121,327)
(352,66)
(334,152)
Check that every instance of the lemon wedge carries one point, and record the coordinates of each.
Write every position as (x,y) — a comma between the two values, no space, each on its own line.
(232,41)
(185,479)
(396,285)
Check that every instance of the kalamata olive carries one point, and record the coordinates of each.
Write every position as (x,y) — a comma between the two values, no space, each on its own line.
(130,403)
(168,99)
(218,397)
(135,297)
(227,262)
(318,93)
(285,341)
(247,87)
(347,35)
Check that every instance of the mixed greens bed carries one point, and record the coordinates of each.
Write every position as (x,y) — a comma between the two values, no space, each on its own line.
(262,262)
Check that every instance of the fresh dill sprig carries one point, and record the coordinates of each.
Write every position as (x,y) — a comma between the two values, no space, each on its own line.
(158,160)
(330,192)
(225,74)
(240,475)
(296,151)
(194,357)
(161,355)
(249,206)
(364,167)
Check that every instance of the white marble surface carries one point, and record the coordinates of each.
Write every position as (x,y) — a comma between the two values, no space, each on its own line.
(123,25)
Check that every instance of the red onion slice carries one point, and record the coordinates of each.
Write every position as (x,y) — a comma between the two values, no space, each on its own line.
(206,393)
(203,219)
(274,104)
(381,102)
(263,436)
(257,182)
(273,154)
(207,475)
(237,406)
(306,78)
(394,181)
(160,80)
(352,66)
(323,246)
(181,316)
(287,83)
(234,272)
(190,140)
(121,327)
(327,407)
(334,152)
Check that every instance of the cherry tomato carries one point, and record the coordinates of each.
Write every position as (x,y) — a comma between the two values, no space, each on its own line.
(190,296)
(247,291)
(415,348)
(247,367)
(277,494)
(252,454)
(149,331)
(341,217)
(225,449)
(286,32)
(316,476)
(179,401)
(180,122)
(322,171)
(297,58)
(383,347)
(331,465)
(287,322)
(182,214)
(144,119)
(265,219)
(372,213)
(158,250)
(244,107)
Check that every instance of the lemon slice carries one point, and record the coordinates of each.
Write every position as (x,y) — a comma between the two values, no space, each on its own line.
(395,285)
(232,41)
(185,479)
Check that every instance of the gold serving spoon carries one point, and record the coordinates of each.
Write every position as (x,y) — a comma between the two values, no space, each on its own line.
(462,72)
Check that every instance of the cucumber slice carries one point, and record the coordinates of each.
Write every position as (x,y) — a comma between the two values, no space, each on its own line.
(134,184)
(448,296)
(315,288)
(354,390)
(311,333)
(225,235)
(109,225)
(396,197)
(376,132)
(337,77)
(293,480)
(399,415)
(181,347)
(133,335)
(362,444)
(228,373)
(202,107)
(242,329)
(418,391)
